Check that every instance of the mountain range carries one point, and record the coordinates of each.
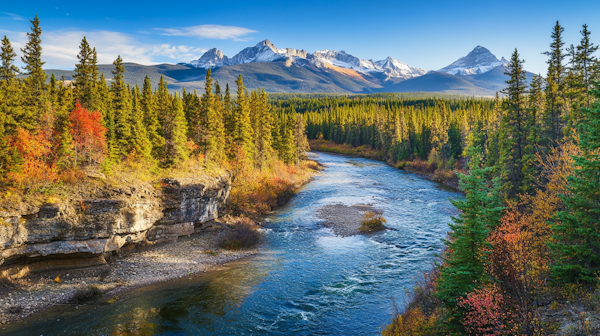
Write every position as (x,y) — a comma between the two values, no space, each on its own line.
(264,65)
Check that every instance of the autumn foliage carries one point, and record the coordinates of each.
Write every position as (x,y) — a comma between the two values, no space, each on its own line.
(38,150)
(88,135)
(486,313)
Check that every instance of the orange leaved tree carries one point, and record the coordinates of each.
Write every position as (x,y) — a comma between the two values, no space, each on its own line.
(88,135)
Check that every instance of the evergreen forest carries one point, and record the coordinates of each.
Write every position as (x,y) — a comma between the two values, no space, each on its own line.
(527,233)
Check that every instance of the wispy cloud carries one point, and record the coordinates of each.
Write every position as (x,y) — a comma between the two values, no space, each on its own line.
(209,32)
(60,48)
(14,16)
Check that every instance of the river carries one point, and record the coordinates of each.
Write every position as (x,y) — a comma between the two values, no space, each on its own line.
(305,281)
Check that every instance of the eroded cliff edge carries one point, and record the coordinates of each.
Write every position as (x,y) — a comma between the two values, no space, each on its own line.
(83,229)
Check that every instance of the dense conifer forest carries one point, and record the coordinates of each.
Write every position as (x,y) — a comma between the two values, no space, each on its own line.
(527,236)
(528,233)
(52,129)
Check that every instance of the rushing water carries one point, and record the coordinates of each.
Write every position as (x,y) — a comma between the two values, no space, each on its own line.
(305,281)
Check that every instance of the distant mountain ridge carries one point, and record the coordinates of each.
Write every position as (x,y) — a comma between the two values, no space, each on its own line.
(265,51)
(274,69)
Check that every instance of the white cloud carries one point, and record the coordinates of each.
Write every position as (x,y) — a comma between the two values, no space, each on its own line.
(60,48)
(14,16)
(209,32)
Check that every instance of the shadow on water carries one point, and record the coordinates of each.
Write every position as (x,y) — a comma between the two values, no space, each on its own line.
(307,281)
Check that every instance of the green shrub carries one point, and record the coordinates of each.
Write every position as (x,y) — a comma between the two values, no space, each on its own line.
(241,236)
(87,294)
(372,222)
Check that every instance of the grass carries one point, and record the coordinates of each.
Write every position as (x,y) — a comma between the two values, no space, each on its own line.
(372,222)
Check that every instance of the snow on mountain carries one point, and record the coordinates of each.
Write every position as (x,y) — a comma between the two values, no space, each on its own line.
(395,68)
(265,51)
(212,58)
(478,61)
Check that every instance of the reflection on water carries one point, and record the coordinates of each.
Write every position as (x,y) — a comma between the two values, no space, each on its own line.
(307,281)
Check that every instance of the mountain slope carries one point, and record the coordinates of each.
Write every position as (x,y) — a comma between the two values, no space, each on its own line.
(478,61)
(440,82)
(297,71)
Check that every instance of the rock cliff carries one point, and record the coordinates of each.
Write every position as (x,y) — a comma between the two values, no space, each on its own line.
(82,231)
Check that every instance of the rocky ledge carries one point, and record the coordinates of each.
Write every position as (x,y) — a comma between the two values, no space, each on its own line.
(83,231)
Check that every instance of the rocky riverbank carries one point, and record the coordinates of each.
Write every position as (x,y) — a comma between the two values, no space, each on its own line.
(126,270)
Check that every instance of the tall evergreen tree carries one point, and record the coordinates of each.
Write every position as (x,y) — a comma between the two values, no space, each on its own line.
(151,120)
(36,77)
(587,63)
(8,70)
(514,161)
(244,133)
(576,240)
(139,136)
(175,130)
(463,266)
(263,130)
(121,107)
(553,117)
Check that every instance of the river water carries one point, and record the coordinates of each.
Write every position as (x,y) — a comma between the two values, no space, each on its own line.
(305,281)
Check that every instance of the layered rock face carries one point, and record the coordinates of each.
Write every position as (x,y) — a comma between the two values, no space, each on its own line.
(81,232)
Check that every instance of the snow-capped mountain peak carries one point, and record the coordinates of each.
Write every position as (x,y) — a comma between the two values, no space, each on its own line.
(479,60)
(265,51)
(212,58)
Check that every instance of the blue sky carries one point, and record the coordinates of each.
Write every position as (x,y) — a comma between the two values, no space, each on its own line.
(425,34)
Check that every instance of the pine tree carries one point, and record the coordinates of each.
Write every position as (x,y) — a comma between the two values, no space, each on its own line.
(139,136)
(36,77)
(514,131)
(121,107)
(463,266)
(8,70)
(576,239)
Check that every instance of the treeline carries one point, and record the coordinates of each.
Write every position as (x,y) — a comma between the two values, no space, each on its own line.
(527,240)
(51,126)
(404,128)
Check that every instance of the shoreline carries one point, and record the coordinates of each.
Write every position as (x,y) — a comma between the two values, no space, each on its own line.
(429,177)
(138,267)
(189,255)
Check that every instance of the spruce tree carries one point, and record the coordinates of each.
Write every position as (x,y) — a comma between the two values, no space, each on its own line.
(576,239)
(216,130)
(463,266)
(553,117)
(300,142)
(587,62)
(151,120)
(36,77)
(244,134)
(264,136)
(139,136)
(121,107)
(86,76)
(8,70)
(175,128)
(514,131)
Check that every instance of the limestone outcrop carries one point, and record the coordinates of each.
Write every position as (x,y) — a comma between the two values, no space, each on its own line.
(87,229)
